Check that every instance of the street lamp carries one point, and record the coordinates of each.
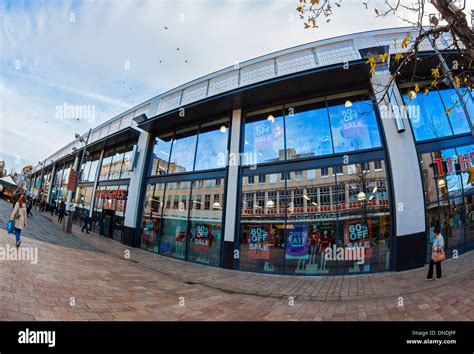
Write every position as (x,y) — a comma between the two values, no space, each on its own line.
(86,141)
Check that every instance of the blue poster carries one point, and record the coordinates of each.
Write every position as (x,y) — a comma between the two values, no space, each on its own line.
(297,242)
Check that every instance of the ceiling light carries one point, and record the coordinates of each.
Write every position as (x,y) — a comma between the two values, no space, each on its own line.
(223,129)
(348,104)
(271,118)
(361,196)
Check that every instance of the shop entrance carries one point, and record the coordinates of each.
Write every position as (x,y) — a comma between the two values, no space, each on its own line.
(109,216)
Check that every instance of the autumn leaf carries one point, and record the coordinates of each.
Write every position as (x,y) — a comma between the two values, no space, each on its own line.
(417,88)
(314,2)
(457,81)
(470,172)
(434,83)
(383,57)
(398,57)
(448,111)
(427,92)
(373,64)
(405,41)
(435,72)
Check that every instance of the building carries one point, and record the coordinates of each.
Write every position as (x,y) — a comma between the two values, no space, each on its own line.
(265,165)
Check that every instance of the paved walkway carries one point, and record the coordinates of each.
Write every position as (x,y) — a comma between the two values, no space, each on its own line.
(73,281)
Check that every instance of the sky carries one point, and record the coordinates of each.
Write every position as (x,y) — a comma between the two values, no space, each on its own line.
(108,56)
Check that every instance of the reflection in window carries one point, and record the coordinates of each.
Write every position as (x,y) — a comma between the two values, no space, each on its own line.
(161,155)
(308,133)
(455,110)
(182,152)
(174,221)
(290,229)
(427,116)
(354,127)
(264,139)
(152,217)
(212,147)
(206,230)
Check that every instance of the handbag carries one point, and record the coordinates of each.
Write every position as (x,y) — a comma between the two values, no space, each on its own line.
(439,256)
(10,226)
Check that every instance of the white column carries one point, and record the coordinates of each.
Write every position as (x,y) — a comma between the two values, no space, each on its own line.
(233,178)
(406,177)
(136,177)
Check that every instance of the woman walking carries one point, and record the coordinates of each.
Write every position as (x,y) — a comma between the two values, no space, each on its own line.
(61,211)
(437,255)
(19,216)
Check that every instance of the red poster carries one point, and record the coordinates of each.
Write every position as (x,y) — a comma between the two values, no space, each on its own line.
(259,243)
(202,239)
(358,234)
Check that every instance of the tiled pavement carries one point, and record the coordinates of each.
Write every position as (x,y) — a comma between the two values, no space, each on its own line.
(106,286)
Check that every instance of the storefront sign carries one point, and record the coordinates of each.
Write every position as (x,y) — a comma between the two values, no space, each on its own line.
(71,183)
(259,247)
(447,165)
(315,217)
(114,194)
(359,234)
(202,239)
(297,243)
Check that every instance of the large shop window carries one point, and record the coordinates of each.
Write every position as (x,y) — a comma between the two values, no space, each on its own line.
(201,148)
(311,130)
(449,197)
(116,163)
(339,224)
(184,220)
(439,113)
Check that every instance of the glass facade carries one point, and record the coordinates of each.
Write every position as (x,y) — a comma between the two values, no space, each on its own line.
(59,187)
(311,130)
(195,149)
(116,163)
(439,114)
(184,220)
(449,197)
(317,223)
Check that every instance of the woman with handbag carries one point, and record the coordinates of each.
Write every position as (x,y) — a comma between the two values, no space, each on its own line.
(437,255)
(19,216)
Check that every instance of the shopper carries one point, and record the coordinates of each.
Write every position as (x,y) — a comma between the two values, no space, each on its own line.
(19,216)
(437,255)
(86,223)
(29,206)
(15,197)
(61,211)
(52,207)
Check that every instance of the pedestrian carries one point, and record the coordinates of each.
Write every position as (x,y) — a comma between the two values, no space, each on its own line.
(15,197)
(61,211)
(86,220)
(19,216)
(29,206)
(437,255)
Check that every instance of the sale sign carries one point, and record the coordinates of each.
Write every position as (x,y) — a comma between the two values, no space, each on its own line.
(202,239)
(359,234)
(351,123)
(297,243)
(259,247)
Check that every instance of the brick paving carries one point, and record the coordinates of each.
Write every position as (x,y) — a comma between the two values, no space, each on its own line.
(87,277)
